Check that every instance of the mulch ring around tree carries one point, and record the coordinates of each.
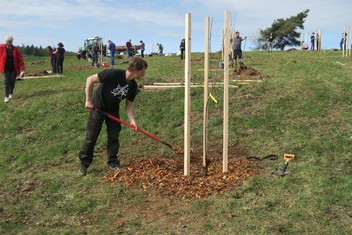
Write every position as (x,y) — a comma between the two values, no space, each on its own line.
(167,175)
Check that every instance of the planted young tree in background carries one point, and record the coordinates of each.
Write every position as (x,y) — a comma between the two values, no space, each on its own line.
(283,28)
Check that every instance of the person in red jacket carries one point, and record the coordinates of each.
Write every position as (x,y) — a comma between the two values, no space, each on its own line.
(11,65)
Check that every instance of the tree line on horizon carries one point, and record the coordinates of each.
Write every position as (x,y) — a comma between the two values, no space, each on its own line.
(37,51)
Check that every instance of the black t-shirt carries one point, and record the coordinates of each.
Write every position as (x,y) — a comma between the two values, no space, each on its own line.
(112,89)
(60,52)
(9,64)
(271,38)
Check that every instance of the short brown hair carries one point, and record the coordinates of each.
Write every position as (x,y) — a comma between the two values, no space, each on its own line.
(137,64)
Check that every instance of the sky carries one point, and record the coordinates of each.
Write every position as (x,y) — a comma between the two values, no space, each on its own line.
(47,22)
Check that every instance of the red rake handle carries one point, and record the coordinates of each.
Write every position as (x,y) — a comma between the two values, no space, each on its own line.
(132,127)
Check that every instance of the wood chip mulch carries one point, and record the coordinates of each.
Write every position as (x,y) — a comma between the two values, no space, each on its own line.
(167,175)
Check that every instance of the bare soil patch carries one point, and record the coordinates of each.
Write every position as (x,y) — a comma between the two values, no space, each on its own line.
(243,71)
(36,73)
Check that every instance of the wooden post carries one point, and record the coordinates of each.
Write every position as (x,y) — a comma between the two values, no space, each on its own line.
(343,41)
(321,39)
(187,142)
(222,46)
(101,50)
(206,78)
(232,44)
(226,91)
(318,39)
(349,41)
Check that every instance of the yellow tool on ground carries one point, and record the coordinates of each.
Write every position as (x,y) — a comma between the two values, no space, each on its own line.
(287,158)
(213,98)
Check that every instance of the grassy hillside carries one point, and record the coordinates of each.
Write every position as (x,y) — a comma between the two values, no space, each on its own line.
(303,107)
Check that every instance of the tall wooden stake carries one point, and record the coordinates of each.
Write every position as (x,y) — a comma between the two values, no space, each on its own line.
(343,41)
(222,46)
(226,91)
(187,142)
(349,41)
(350,44)
(206,78)
(321,40)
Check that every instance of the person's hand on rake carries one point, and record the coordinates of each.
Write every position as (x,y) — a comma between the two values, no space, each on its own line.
(134,126)
(89,105)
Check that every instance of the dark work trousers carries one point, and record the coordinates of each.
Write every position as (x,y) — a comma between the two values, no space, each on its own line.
(94,59)
(94,127)
(54,64)
(9,81)
(237,53)
(182,53)
(60,64)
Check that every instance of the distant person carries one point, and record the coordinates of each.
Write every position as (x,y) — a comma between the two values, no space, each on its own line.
(84,50)
(236,44)
(11,65)
(318,42)
(160,48)
(52,57)
(115,85)
(283,43)
(304,45)
(112,49)
(129,48)
(60,56)
(142,48)
(343,41)
(94,51)
(182,47)
(270,41)
(312,41)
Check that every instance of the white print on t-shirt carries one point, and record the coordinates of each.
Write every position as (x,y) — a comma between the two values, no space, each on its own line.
(120,91)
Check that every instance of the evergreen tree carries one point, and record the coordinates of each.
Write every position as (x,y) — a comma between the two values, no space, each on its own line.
(28,50)
(283,28)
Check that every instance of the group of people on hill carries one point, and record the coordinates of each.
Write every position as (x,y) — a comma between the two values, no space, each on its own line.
(282,43)
(343,42)
(94,51)
(13,67)
(314,40)
(57,57)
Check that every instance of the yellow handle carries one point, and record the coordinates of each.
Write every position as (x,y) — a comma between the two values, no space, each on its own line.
(288,157)
(213,98)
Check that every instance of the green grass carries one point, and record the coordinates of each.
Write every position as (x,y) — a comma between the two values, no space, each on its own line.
(303,107)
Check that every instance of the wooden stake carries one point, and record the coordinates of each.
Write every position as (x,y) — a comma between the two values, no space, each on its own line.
(343,41)
(222,46)
(349,41)
(187,142)
(321,40)
(226,91)
(206,78)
